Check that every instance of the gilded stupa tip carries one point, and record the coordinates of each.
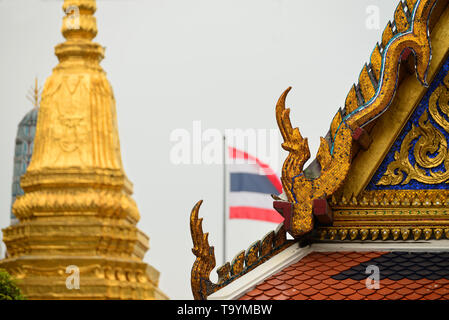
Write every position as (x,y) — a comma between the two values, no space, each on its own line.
(79,28)
(79,21)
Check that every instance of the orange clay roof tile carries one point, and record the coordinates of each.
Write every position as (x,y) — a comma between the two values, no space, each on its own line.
(432,296)
(283,287)
(254,293)
(318,296)
(329,291)
(262,297)
(281,297)
(300,296)
(273,292)
(374,296)
(394,296)
(412,296)
(291,292)
(284,277)
(275,282)
(310,291)
(337,296)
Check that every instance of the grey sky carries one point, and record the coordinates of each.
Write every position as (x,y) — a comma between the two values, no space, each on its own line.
(171,62)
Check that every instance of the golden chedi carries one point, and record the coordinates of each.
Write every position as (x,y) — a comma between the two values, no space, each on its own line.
(77,214)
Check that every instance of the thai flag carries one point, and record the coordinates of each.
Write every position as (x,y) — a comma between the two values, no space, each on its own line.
(251,183)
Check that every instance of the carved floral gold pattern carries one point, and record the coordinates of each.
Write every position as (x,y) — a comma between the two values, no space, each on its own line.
(430,150)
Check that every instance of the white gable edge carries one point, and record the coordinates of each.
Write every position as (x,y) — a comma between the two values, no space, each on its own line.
(294,253)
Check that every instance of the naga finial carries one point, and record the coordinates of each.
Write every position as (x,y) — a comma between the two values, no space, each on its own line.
(335,159)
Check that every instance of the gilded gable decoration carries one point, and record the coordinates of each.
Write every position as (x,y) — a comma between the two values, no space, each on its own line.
(423,153)
(365,102)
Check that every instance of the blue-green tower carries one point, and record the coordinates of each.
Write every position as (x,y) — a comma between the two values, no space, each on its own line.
(24,147)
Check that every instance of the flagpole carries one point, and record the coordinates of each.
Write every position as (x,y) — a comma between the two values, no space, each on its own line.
(224,199)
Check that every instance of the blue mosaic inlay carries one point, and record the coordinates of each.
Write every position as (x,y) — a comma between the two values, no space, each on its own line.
(422,107)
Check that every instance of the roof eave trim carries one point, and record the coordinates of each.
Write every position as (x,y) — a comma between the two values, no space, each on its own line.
(240,286)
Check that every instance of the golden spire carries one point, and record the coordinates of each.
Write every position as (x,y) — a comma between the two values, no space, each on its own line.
(79,28)
(77,209)
(34,94)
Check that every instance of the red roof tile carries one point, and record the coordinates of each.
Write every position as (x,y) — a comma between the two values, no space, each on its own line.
(300,297)
(302,277)
(340,286)
(264,286)
(261,297)
(442,281)
(423,291)
(337,296)
(312,282)
(412,296)
(321,277)
(312,272)
(385,290)
(375,296)
(254,293)
(432,296)
(328,291)
(273,292)
(275,282)
(310,291)
(284,277)
(330,281)
(347,291)
(283,287)
(355,296)
(424,281)
(281,297)
(318,296)
(405,291)
(320,286)
(394,296)
(366,291)
(442,291)
(294,282)
(294,272)
(291,292)
(414,286)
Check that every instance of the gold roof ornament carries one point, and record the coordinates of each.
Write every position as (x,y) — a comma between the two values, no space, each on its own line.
(375,93)
(34,94)
(77,219)
(245,261)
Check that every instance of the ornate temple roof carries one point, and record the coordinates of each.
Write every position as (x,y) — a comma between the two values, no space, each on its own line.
(376,194)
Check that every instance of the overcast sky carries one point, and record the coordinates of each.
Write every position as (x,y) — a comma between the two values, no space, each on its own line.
(173,62)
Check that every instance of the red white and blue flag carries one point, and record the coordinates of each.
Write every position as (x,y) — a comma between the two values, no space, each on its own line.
(251,184)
